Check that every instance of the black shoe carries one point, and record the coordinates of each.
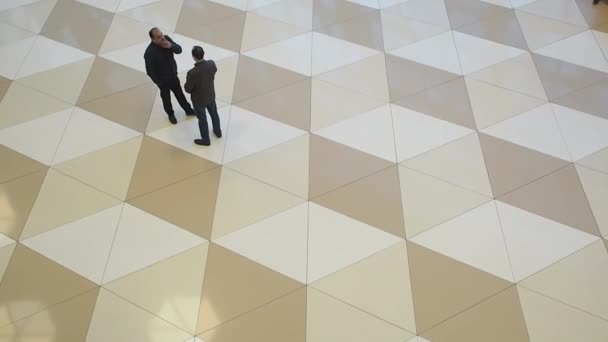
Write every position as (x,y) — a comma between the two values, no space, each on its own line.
(218,133)
(202,142)
(190,114)
(172,119)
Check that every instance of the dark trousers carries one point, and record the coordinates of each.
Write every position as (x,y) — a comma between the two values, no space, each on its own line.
(202,119)
(174,86)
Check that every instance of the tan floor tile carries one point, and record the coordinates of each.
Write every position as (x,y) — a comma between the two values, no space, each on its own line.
(62,200)
(499,318)
(260,31)
(541,31)
(170,289)
(21,104)
(234,286)
(161,13)
(331,320)
(196,14)
(130,108)
(597,161)
(500,27)
(406,78)
(31,17)
(327,12)
(428,201)
(375,200)
(78,25)
(107,77)
(5,83)
(333,165)
(558,196)
(294,12)
(189,204)
(364,30)
(44,285)
(6,254)
(117,320)
(510,166)
(464,12)
(561,78)
(159,165)
(226,33)
(379,285)
(443,287)
(17,198)
(427,11)
(67,321)
(225,79)
(108,170)
(16,165)
(448,101)
(400,31)
(589,100)
(255,78)
(278,321)
(551,321)
(124,32)
(253,200)
(595,184)
(290,105)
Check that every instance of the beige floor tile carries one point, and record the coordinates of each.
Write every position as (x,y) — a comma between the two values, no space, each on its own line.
(108,170)
(107,78)
(30,17)
(541,31)
(198,13)
(5,83)
(16,165)
(6,254)
(130,108)
(597,161)
(443,287)
(511,166)
(448,101)
(189,204)
(234,286)
(399,31)
(159,165)
(225,79)
(280,320)
(427,11)
(115,319)
(124,32)
(424,208)
(551,321)
(252,199)
(330,319)
(466,12)
(563,10)
(170,289)
(595,184)
(559,196)
(227,33)
(382,287)
(327,12)
(261,31)
(44,285)
(163,13)
(364,30)
(17,198)
(588,100)
(294,12)
(375,200)
(499,318)
(67,321)
(62,200)
(500,27)
(21,104)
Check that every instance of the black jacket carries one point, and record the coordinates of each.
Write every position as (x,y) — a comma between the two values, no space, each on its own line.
(160,62)
(200,83)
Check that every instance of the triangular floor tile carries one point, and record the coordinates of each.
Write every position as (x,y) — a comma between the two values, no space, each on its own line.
(115,319)
(558,196)
(438,52)
(335,11)
(261,31)
(417,133)
(510,166)
(542,31)
(597,161)
(293,54)
(584,134)
(163,13)
(234,286)
(13,55)
(170,289)
(56,54)
(45,284)
(459,162)
(375,200)
(477,53)
(36,13)
(22,104)
(278,242)
(226,33)
(567,50)
(443,287)
(253,200)
(124,32)
(329,53)
(109,169)
(283,11)
(399,31)
(5,83)
(329,319)
(501,28)
(588,100)
(390,300)
(595,185)
(337,241)
(534,242)
(20,195)
(142,240)
(6,253)
(455,238)
(82,246)
(159,165)
(563,10)
(17,165)
(428,201)
(364,30)
(466,12)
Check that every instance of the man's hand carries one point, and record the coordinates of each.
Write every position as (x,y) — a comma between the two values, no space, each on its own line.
(166,44)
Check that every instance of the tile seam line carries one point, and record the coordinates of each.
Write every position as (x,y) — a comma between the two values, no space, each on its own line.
(45,168)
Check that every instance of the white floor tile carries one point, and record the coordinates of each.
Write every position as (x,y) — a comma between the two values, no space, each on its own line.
(584,134)
(438,52)
(293,54)
(13,55)
(55,55)
(581,49)
(329,53)
(477,53)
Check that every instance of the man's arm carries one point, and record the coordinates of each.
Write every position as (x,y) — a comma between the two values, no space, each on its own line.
(189,85)
(176,48)
(150,69)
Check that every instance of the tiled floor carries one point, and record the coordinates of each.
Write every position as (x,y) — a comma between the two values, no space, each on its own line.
(391,171)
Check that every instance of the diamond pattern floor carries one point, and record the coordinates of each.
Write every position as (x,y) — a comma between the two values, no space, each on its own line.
(390,171)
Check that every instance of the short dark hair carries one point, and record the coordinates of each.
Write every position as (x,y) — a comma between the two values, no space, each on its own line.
(198,52)
(151,32)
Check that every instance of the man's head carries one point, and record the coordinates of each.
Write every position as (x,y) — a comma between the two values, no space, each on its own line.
(198,53)
(157,36)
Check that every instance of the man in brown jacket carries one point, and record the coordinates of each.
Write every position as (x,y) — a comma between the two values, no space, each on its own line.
(200,85)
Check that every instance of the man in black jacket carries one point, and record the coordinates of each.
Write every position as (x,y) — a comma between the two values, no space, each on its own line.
(200,84)
(162,69)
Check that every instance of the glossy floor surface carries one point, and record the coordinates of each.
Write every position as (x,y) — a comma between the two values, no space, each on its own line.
(390,171)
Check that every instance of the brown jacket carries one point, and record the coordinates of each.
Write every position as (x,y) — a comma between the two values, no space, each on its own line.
(200,83)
